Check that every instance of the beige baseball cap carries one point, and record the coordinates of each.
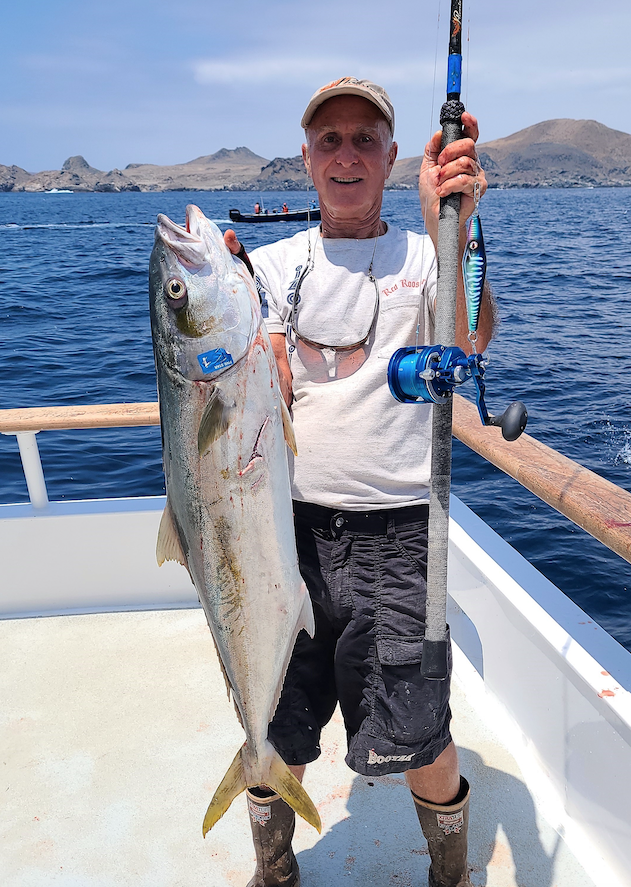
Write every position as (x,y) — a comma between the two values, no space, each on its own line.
(351,86)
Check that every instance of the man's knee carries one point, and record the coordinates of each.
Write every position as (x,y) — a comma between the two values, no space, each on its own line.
(438,782)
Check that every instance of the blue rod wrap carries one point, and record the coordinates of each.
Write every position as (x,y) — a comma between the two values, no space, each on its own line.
(454,73)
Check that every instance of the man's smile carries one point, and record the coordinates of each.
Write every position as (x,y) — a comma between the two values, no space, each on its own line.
(348,180)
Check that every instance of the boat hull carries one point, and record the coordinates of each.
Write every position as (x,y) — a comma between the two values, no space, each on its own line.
(302,215)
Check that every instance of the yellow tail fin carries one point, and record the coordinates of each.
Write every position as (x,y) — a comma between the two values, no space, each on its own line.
(279,778)
(283,782)
(231,785)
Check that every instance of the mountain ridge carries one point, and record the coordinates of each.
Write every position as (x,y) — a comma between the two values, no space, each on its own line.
(554,153)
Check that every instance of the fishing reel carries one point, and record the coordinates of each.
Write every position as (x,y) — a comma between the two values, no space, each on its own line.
(430,374)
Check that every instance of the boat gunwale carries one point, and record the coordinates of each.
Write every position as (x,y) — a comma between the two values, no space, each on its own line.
(592,502)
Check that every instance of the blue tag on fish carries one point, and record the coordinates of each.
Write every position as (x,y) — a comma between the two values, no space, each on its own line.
(217,359)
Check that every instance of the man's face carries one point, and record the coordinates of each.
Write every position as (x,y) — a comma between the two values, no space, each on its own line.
(349,155)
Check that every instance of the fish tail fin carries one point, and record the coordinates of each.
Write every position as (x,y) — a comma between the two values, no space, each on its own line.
(281,780)
(231,785)
(278,777)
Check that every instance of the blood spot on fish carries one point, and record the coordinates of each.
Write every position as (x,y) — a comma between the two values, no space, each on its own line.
(606,674)
(607,693)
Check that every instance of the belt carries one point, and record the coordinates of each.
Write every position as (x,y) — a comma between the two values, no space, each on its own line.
(372,523)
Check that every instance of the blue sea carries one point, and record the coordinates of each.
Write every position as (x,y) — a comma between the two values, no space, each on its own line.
(74,329)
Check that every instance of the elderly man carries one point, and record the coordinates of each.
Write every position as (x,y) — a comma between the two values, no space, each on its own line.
(338,301)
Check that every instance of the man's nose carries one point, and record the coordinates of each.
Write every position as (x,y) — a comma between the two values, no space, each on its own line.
(347,154)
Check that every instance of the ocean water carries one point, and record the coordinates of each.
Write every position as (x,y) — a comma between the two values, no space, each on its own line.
(74,329)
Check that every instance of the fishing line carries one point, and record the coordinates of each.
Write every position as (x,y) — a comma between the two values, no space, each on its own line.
(466,85)
(424,209)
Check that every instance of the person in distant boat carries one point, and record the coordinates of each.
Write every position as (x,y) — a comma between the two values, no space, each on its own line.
(257,208)
(285,208)
(338,301)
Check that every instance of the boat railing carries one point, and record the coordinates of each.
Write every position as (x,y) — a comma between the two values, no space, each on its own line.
(600,507)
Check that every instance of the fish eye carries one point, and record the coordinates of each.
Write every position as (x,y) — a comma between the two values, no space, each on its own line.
(473,244)
(175,290)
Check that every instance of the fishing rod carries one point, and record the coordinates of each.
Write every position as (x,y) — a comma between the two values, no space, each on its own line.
(429,374)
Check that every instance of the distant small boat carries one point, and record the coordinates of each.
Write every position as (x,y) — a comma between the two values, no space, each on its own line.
(60,191)
(296,215)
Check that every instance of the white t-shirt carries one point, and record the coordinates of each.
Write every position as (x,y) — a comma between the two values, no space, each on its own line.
(358,448)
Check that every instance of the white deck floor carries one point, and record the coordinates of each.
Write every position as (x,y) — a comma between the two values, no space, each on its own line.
(115,729)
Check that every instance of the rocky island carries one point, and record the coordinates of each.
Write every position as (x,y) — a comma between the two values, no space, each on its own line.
(556,153)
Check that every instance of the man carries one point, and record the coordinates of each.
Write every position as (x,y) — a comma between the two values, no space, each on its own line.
(339,300)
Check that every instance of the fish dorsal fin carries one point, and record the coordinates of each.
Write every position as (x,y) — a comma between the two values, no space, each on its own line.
(306,620)
(215,420)
(288,427)
(169,547)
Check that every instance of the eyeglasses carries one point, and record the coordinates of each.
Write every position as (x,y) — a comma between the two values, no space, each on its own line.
(340,344)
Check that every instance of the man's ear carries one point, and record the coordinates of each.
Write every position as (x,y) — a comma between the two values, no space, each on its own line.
(307,160)
(392,156)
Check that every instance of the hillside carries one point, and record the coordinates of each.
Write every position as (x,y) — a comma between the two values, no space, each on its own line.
(556,153)
(559,153)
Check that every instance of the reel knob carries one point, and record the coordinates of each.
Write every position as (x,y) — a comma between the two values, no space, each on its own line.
(512,421)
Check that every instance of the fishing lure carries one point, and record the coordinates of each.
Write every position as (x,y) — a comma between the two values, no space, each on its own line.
(474,269)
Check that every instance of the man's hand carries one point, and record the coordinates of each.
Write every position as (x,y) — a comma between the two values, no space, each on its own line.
(230,239)
(237,249)
(454,170)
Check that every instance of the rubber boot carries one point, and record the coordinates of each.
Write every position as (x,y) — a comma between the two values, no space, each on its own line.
(445,828)
(273,822)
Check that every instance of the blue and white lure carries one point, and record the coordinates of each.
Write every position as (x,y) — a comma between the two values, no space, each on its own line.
(474,269)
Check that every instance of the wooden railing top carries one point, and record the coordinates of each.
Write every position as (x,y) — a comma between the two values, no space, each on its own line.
(593,503)
(110,415)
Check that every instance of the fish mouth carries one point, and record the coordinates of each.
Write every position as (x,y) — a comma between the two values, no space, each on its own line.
(188,243)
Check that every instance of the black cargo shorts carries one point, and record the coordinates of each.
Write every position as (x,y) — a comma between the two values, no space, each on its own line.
(366,574)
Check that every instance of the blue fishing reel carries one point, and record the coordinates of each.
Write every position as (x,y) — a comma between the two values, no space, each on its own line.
(430,374)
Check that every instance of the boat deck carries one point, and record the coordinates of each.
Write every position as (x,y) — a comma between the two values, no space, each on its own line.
(115,729)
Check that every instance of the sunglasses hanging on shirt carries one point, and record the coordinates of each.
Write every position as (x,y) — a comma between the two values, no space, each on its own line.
(306,329)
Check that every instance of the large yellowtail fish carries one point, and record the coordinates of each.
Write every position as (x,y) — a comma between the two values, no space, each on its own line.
(228,517)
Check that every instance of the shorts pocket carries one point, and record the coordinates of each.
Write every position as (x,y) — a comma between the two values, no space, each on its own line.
(409,711)
(411,543)
(393,650)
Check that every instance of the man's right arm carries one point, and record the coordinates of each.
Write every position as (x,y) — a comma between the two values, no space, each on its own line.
(277,339)
(284,370)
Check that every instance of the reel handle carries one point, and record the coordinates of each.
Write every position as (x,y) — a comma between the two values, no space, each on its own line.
(512,421)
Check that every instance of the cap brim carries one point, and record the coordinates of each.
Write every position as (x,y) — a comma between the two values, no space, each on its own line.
(348,89)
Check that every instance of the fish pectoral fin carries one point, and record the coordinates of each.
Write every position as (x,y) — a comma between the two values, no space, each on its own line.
(168,546)
(281,780)
(214,422)
(288,427)
(231,785)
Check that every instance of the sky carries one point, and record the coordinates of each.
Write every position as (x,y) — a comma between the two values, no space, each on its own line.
(151,81)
